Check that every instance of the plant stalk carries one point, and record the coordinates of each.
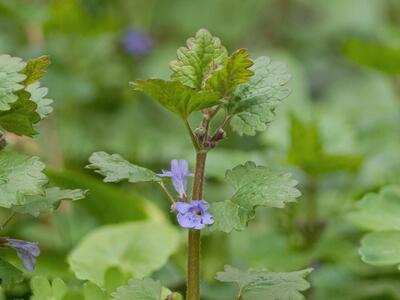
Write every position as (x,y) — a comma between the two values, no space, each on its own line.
(194,238)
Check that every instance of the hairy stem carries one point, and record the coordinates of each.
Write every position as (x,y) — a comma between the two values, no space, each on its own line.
(167,193)
(192,136)
(194,239)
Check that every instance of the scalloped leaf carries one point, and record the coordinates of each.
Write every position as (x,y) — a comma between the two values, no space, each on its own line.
(176,97)
(38,95)
(34,69)
(138,248)
(11,80)
(256,101)
(269,285)
(43,290)
(255,186)
(115,168)
(144,289)
(234,71)
(203,54)
(20,176)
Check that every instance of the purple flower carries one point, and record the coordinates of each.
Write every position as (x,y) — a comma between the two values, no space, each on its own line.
(193,215)
(26,251)
(179,173)
(137,42)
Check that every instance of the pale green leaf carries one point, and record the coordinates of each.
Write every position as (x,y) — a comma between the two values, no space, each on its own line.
(136,248)
(37,204)
(271,285)
(378,212)
(176,97)
(255,186)
(115,168)
(38,95)
(194,63)
(234,71)
(10,80)
(113,278)
(43,290)
(257,99)
(381,248)
(34,69)
(146,289)
(20,176)
(9,275)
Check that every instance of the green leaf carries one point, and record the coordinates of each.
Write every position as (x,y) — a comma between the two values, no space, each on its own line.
(9,275)
(176,97)
(114,278)
(271,285)
(37,204)
(306,151)
(373,55)
(34,69)
(43,290)
(10,80)
(38,95)
(255,186)
(194,63)
(21,116)
(381,248)
(257,99)
(146,289)
(20,176)
(233,72)
(137,248)
(378,212)
(93,292)
(115,168)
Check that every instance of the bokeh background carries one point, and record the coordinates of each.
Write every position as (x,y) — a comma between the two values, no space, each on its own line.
(338,131)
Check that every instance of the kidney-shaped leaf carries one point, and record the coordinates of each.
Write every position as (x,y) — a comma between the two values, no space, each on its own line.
(136,248)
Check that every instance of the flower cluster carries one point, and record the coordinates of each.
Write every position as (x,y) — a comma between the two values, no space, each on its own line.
(26,251)
(189,215)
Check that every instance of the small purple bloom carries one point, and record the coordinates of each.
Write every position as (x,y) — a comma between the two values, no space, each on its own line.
(193,215)
(137,42)
(179,173)
(26,251)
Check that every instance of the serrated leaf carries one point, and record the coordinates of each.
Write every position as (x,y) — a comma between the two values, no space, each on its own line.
(9,275)
(10,80)
(136,248)
(146,289)
(255,186)
(38,95)
(20,176)
(37,204)
(21,116)
(43,290)
(115,168)
(234,71)
(176,97)
(34,69)
(271,285)
(257,99)
(203,54)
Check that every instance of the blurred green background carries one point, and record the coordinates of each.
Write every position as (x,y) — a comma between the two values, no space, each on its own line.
(338,131)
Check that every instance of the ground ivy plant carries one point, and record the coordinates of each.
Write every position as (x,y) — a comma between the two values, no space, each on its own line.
(23,185)
(224,90)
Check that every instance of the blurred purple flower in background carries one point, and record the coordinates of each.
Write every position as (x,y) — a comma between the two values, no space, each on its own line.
(137,42)
(179,173)
(193,215)
(26,251)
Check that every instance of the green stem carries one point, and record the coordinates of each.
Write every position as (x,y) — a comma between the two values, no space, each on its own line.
(194,238)
(192,136)
(2,226)
(167,193)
